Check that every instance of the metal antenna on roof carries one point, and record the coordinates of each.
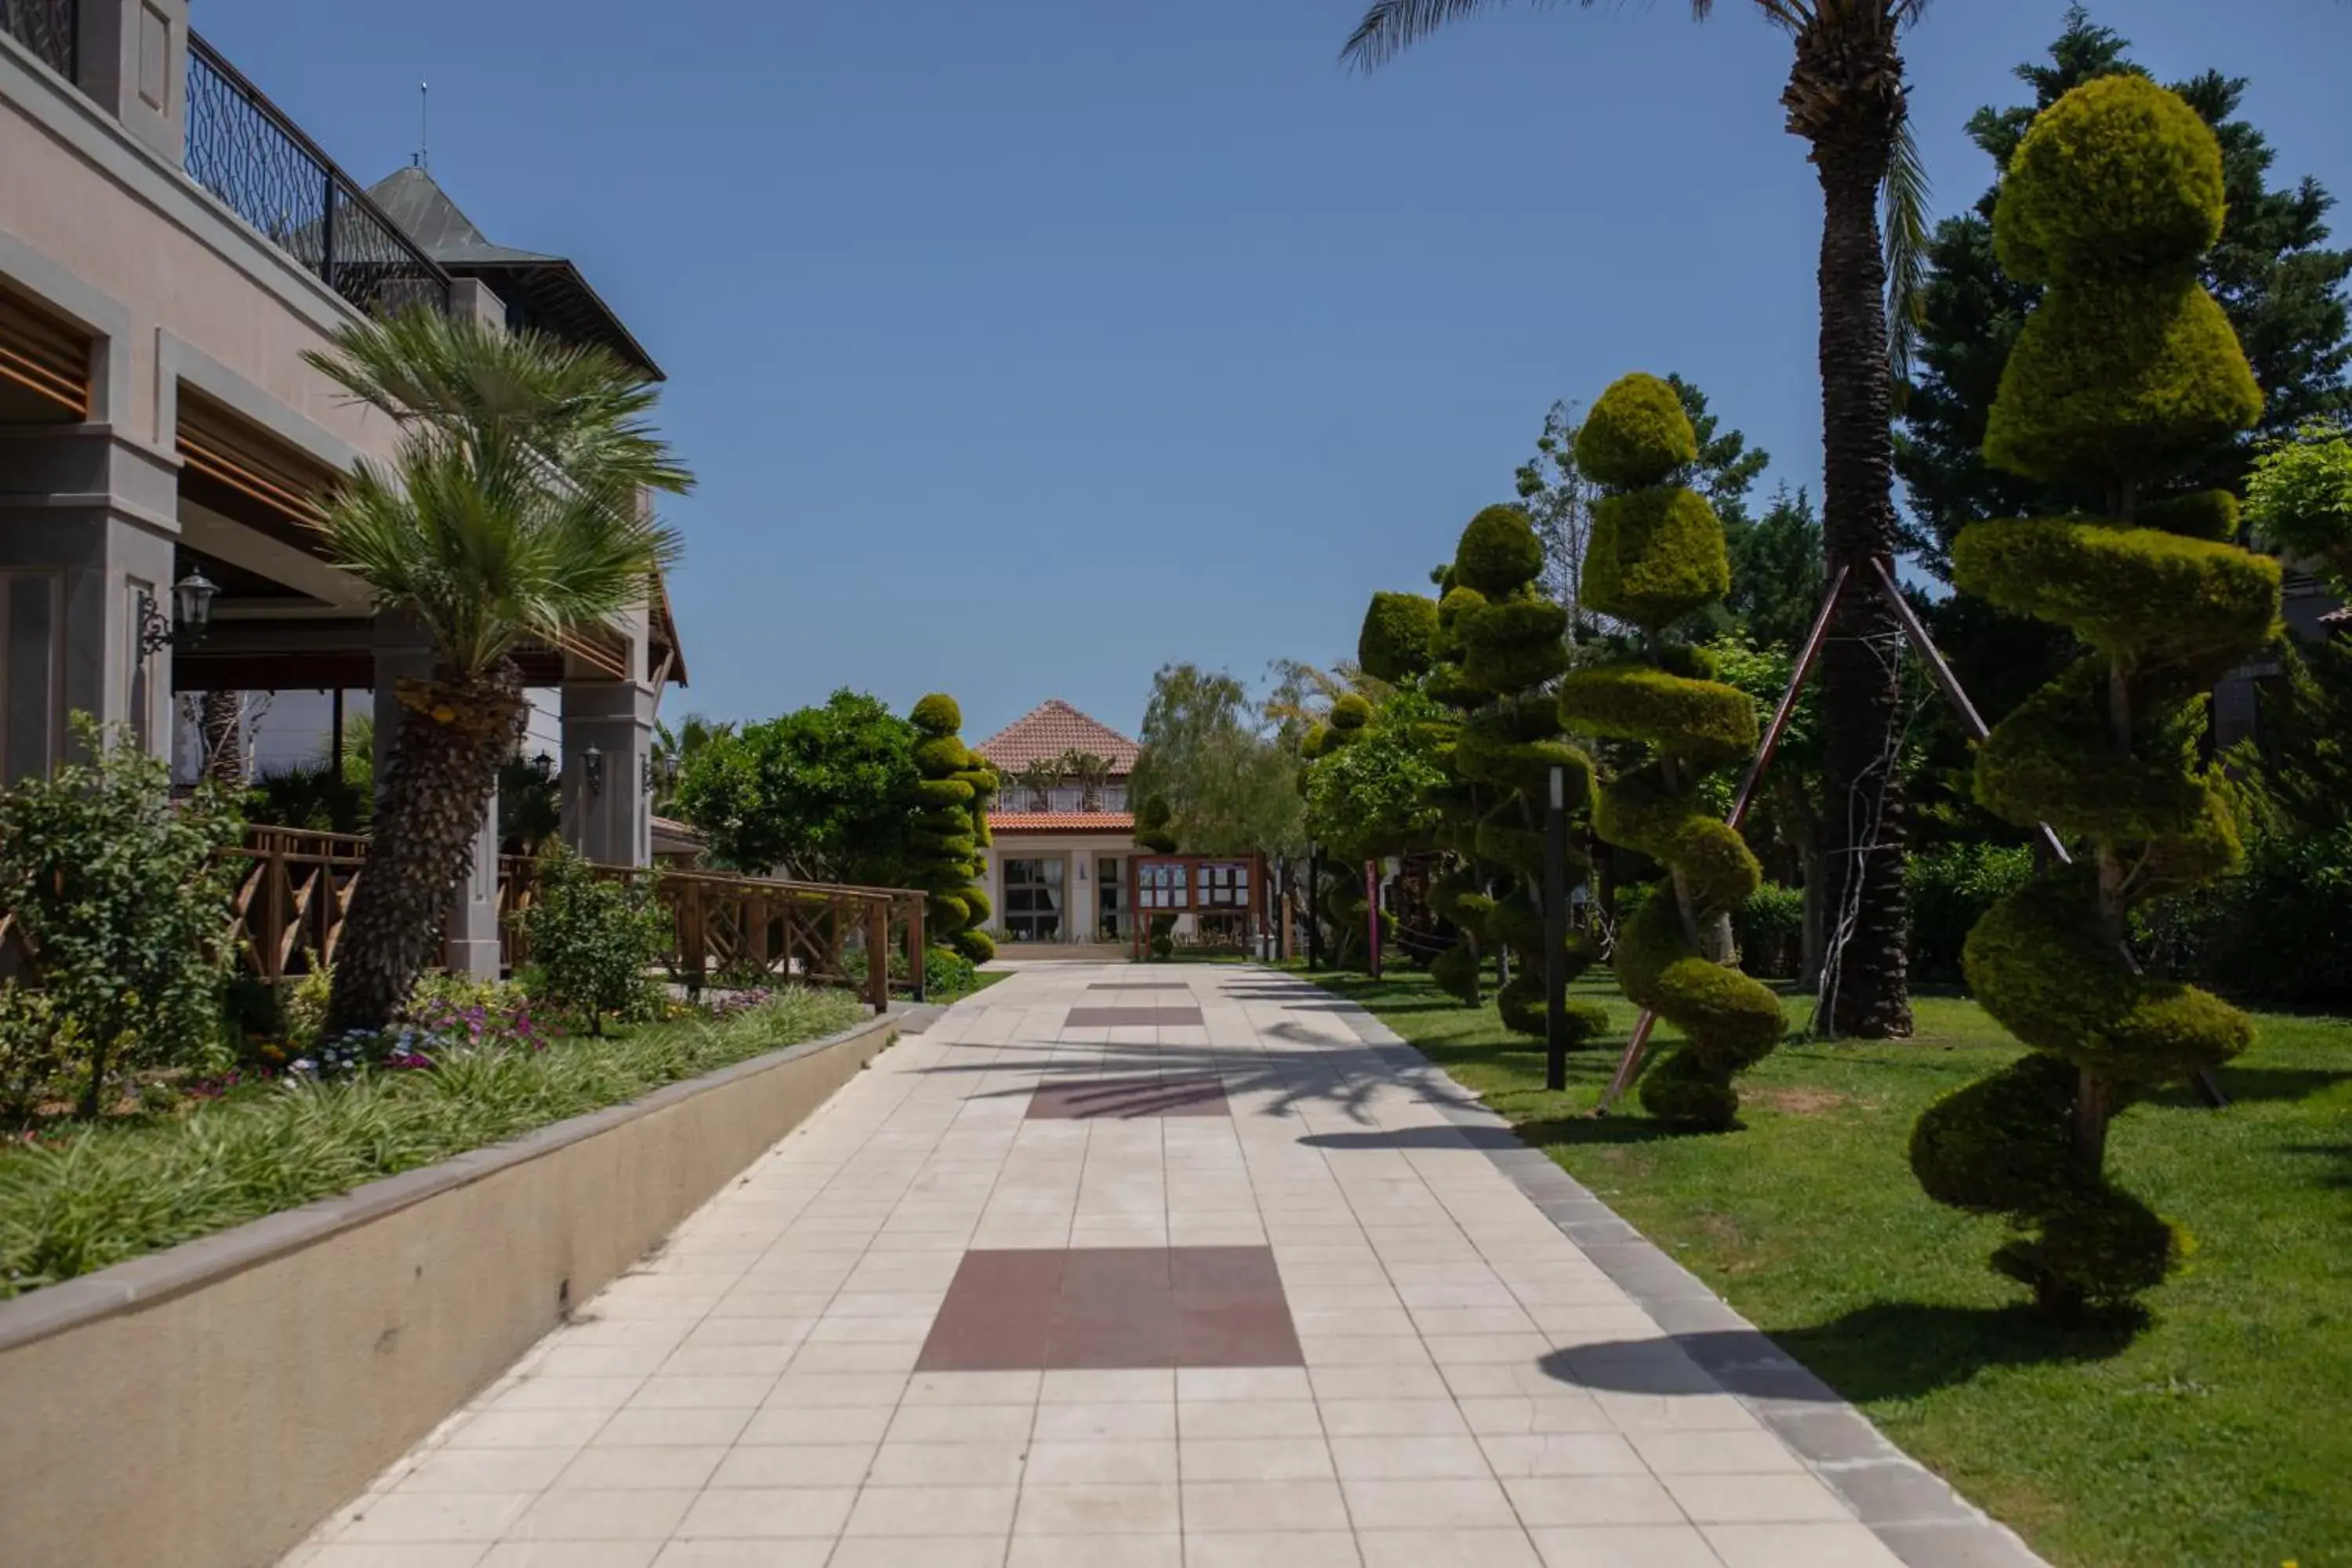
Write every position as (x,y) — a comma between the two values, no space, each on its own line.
(424,104)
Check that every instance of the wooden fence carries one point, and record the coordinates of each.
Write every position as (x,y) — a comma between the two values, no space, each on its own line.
(296,889)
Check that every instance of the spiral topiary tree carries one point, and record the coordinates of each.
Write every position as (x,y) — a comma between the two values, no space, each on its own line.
(949,829)
(1655,555)
(1496,643)
(2126,368)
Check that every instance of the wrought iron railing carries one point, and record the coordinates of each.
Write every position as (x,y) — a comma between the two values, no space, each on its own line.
(48,27)
(243,149)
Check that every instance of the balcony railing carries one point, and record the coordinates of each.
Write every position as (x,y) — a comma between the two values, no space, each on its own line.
(48,27)
(243,149)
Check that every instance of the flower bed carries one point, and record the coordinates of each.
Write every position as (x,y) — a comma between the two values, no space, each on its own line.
(80,1199)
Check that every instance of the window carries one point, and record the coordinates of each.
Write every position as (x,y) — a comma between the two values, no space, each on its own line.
(1162,886)
(1110,898)
(1114,797)
(1224,887)
(1033,899)
(1065,799)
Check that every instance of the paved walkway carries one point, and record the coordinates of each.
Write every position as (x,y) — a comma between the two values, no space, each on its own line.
(957,1323)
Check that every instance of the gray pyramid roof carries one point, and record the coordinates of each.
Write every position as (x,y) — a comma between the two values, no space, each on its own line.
(542,291)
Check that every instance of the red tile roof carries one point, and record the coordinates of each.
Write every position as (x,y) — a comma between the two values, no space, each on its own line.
(1051,729)
(1061,822)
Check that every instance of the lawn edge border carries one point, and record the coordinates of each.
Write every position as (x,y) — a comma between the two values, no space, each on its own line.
(154,1277)
(1917,1514)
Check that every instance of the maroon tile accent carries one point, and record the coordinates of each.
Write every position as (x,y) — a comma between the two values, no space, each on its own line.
(1125,1098)
(1020,1309)
(1149,1017)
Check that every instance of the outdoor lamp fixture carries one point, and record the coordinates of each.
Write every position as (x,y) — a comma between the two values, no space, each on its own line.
(591,769)
(192,612)
(654,772)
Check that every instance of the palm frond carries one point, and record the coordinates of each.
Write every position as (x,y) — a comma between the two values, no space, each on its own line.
(1904,222)
(486,553)
(1392,27)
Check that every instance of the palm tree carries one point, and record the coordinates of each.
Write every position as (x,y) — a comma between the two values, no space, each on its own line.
(1845,97)
(512,512)
(1090,772)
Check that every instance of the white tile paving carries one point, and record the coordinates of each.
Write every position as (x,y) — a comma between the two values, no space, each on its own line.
(749,1395)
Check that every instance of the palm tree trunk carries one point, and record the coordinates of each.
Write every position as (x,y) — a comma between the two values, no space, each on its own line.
(1859,694)
(220,727)
(437,784)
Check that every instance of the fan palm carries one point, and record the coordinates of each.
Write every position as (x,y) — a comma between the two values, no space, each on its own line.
(512,512)
(1845,97)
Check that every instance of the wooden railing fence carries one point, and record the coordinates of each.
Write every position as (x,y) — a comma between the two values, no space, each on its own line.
(296,887)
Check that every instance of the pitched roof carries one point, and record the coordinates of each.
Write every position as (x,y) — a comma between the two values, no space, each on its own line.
(1052,728)
(537,290)
(1061,822)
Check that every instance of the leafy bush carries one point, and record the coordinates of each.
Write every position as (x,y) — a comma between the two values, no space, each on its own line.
(947,975)
(593,938)
(1770,925)
(103,1193)
(2279,933)
(123,903)
(1950,888)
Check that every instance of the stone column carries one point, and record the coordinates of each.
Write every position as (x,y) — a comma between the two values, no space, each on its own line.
(132,59)
(607,812)
(89,524)
(402,650)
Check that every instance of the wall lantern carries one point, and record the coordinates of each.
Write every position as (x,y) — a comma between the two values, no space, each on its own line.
(592,769)
(192,612)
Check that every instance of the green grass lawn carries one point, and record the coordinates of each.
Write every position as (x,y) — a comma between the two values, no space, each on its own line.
(2220,1434)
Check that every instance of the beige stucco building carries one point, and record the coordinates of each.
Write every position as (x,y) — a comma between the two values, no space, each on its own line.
(1057,862)
(171,247)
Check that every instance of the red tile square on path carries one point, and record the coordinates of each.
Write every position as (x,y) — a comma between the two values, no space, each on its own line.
(1021,1310)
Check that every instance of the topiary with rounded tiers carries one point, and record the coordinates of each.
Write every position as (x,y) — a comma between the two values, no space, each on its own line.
(1655,555)
(1496,643)
(949,828)
(2125,369)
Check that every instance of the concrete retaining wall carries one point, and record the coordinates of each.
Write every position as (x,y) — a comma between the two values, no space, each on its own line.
(205,1407)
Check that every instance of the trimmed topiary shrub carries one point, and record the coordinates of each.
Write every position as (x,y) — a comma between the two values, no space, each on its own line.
(1655,555)
(944,841)
(1495,646)
(2125,369)
(1394,643)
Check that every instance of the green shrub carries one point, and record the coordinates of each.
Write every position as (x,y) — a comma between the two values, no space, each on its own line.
(1398,629)
(1949,887)
(2279,933)
(1770,926)
(122,899)
(110,1191)
(945,838)
(1637,435)
(947,975)
(2124,372)
(593,938)
(1655,554)
(1498,552)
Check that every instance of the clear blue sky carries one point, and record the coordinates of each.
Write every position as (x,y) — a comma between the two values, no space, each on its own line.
(1023,347)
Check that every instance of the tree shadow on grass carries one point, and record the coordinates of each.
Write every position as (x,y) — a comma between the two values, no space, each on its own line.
(1888,1350)
(2257,1084)
(2339,1155)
